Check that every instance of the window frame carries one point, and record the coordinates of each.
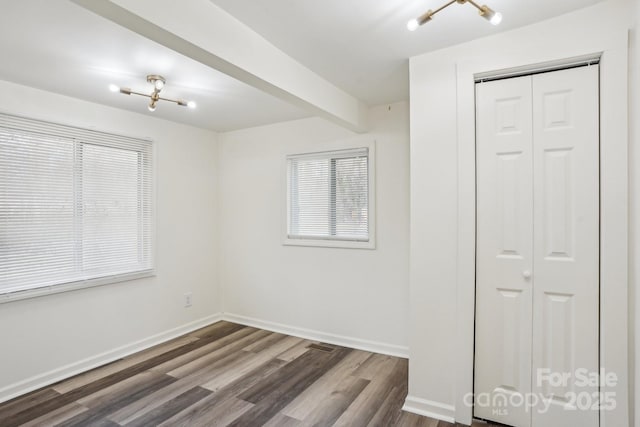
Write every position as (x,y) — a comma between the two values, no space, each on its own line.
(72,285)
(328,242)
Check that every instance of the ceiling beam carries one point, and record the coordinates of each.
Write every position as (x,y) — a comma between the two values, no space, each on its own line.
(202,31)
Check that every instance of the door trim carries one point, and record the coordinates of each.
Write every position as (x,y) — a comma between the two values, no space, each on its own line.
(613,214)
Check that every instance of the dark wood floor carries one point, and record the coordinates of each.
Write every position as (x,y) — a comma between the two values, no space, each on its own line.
(228,375)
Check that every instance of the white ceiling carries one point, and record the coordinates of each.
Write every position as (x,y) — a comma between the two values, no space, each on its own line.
(361,46)
(58,46)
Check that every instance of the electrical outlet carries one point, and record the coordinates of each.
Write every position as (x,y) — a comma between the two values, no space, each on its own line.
(188,299)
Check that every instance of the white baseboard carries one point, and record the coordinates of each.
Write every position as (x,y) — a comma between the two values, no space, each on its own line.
(59,374)
(428,408)
(357,343)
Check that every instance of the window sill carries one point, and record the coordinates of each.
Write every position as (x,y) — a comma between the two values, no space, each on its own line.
(327,243)
(73,286)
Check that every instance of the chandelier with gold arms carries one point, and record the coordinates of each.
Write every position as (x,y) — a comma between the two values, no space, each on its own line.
(485,11)
(158,83)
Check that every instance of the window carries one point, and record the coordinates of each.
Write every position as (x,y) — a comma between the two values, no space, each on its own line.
(329,199)
(75,207)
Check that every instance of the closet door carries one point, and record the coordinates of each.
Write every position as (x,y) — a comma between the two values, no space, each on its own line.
(537,273)
(504,250)
(566,244)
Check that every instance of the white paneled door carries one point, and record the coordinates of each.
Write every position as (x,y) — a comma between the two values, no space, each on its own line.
(537,288)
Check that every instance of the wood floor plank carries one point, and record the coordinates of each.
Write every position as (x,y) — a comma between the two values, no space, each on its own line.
(376,364)
(40,410)
(248,381)
(105,395)
(299,368)
(413,420)
(210,371)
(281,420)
(243,365)
(23,403)
(99,423)
(213,405)
(306,402)
(337,402)
(217,357)
(197,353)
(264,342)
(57,416)
(202,414)
(119,365)
(170,408)
(296,351)
(216,331)
(152,401)
(279,389)
(365,406)
(389,411)
(102,410)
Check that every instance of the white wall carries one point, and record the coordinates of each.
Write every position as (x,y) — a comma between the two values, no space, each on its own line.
(47,337)
(438,164)
(351,296)
(634,212)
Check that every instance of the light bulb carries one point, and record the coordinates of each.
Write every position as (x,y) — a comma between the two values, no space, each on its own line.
(490,15)
(158,84)
(413,25)
(496,19)
(191,104)
(114,88)
(152,106)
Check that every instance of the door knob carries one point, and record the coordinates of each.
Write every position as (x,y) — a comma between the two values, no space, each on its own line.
(526,274)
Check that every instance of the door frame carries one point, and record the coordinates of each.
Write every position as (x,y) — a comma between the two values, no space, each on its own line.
(613,53)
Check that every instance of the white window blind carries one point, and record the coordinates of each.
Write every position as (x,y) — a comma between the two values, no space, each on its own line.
(75,205)
(328,195)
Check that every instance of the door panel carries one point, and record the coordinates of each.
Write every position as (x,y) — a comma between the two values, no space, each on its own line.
(504,227)
(566,240)
(558,202)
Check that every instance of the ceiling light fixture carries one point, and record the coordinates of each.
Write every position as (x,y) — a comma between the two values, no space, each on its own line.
(158,83)
(485,11)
